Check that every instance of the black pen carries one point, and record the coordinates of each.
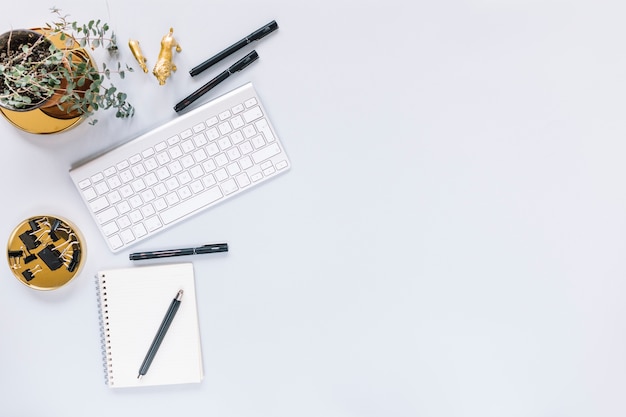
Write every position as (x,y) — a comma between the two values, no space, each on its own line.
(211,248)
(158,338)
(237,66)
(254,36)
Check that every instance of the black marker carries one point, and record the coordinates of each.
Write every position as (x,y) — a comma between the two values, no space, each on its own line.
(158,338)
(254,36)
(237,66)
(214,248)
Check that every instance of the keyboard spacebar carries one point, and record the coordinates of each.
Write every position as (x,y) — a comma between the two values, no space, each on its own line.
(194,203)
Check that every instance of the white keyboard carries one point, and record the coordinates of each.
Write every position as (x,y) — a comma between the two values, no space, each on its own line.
(185,166)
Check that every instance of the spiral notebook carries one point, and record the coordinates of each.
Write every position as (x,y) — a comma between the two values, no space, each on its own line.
(132,304)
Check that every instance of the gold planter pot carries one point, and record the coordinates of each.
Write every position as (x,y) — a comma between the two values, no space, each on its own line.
(50,119)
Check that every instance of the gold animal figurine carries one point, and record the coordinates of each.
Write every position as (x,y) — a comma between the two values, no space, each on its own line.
(164,66)
(136,50)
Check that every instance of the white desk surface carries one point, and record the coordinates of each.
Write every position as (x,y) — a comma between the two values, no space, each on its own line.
(450,241)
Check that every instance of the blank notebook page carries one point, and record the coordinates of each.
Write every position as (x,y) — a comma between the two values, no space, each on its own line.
(133,302)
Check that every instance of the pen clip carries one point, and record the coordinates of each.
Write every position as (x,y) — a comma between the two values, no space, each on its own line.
(244,62)
(265,30)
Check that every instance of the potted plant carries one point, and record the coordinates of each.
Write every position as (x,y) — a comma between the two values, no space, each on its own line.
(51,68)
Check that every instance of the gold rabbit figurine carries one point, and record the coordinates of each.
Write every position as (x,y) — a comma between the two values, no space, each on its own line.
(164,65)
(136,50)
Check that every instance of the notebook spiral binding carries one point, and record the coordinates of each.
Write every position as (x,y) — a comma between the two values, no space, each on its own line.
(103,318)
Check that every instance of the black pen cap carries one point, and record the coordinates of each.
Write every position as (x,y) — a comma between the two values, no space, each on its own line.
(244,62)
(265,30)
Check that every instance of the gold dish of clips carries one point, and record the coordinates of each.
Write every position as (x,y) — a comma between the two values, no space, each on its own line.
(45,252)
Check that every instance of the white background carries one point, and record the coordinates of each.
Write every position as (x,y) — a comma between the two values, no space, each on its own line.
(449,242)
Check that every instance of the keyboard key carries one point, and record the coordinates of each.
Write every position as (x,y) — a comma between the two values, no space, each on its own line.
(115,242)
(122,165)
(184,192)
(123,222)
(127,236)
(84,183)
(242,180)
(246,147)
(135,216)
(126,191)
(187,161)
(184,177)
(258,142)
(209,181)
(200,155)
(135,201)
(265,153)
(153,223)
(212,149)
(264,128)
(212,134)
(99,204)
(190,205)
(209,166)
(224,128)
(114,197)
(126,176)
(123,207)
(236,137)
(106,215)
(138,170)
(196,186)
(224,143)
(159,204)
(200,140)
(151,164)
(114,182)
(148,211)
(172,198)
(175,152)
(175,167)
(134,159)
(138,185)
(233,169)
(90,194)
(160,147)
(245,162)
(196,171)
(249,131)
(110,228)
(252,114)
(139,230)
(229,186)
(237,122)
(187,146)
(221,175)
(221,160)
(233,154)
